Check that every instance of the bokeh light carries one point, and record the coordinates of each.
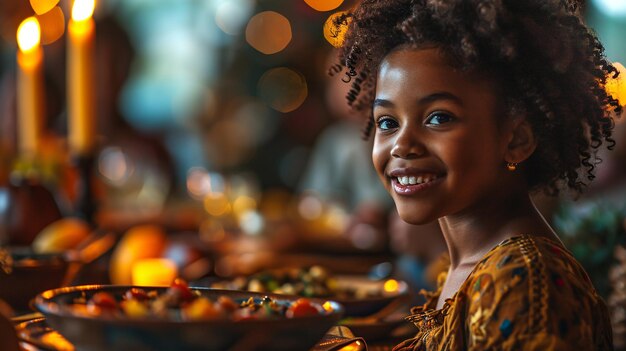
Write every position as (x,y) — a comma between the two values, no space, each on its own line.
(324,5)
(269,32)
(231,15)
(42,6)
(115,166)
(310,207)
(617,86)
(217,204)
(282,89)
(243,204)
(251,223)
(83,9)
(334,34)
(198,182)
(52,25)
(28,34)
(612,7)
(391,285)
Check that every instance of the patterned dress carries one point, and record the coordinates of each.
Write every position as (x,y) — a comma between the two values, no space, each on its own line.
(527,293)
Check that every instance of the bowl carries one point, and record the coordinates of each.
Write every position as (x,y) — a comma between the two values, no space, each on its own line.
(110,332)
(29,274)
(378,294)
(360,295)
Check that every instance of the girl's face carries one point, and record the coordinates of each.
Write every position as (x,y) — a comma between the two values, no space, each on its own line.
(437,146)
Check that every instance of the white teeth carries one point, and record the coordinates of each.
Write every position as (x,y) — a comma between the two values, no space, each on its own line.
(412,180)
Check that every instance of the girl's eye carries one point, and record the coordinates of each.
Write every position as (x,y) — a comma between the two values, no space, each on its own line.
(386,123)
(438,118)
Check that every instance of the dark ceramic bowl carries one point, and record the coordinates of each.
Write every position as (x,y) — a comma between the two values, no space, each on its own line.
(376,301)
(30,274)
(95,333)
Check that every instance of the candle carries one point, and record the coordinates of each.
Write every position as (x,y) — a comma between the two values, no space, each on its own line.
(30,99)
(154,272)
(80,54)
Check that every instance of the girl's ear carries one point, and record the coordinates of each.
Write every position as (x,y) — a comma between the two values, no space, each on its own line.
(521,143)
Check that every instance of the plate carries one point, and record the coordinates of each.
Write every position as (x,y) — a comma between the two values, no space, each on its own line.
(155,334)
(37,335)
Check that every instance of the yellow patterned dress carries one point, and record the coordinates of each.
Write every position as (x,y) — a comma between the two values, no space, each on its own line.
(527,293)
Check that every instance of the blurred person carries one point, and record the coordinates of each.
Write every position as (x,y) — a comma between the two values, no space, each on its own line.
(340,169)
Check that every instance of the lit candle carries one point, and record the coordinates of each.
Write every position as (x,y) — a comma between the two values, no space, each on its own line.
(80,54)
(30,99)
(154,272)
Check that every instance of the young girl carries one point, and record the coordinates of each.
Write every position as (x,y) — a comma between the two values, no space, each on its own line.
(473,105)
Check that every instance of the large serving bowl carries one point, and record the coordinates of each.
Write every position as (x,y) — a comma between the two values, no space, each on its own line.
(110,332)
(29,274)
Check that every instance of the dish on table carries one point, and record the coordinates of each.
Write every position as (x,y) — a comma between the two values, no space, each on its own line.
(24,274)
(84,316)
(359,295)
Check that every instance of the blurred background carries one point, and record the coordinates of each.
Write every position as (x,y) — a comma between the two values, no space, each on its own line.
(220,144)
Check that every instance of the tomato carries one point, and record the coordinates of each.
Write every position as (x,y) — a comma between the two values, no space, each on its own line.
(103,300)
(300,308)
(180,287)
(136,294)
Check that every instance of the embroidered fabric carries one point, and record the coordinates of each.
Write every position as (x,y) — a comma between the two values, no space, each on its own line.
(526,293)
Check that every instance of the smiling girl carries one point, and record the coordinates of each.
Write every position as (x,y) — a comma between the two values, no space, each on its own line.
(473,105)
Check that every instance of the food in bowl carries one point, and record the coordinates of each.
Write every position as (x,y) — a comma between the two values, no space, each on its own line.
(359,295)
(314,281)
(184,322)
(180,303)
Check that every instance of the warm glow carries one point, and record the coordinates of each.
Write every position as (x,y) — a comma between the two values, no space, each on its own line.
(83,9)
(334,34)
(243,204)
(617,86)
(283,89)
(354,346)
(328,306)
(198,182)
(310,207)
(28,34)
(154,272)
(269,32)
(42,6)
(324,5)
(391,285)
(216,204)
(52,25)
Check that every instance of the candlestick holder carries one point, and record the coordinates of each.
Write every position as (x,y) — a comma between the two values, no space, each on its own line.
(85,204)
(27,205)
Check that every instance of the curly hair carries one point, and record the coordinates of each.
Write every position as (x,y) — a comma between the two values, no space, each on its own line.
(551,67)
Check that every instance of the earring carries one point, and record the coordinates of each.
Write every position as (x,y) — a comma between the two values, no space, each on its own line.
(511,166)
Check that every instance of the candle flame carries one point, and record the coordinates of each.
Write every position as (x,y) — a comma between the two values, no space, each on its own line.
(83,9)
(28,34)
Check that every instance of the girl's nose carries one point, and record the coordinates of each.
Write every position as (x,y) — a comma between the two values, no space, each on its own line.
(407,146)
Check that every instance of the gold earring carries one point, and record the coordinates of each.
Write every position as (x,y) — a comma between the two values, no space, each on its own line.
(511,166)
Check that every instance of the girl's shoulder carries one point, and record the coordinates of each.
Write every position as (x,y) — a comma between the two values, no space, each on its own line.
(542,260)
(532,288)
